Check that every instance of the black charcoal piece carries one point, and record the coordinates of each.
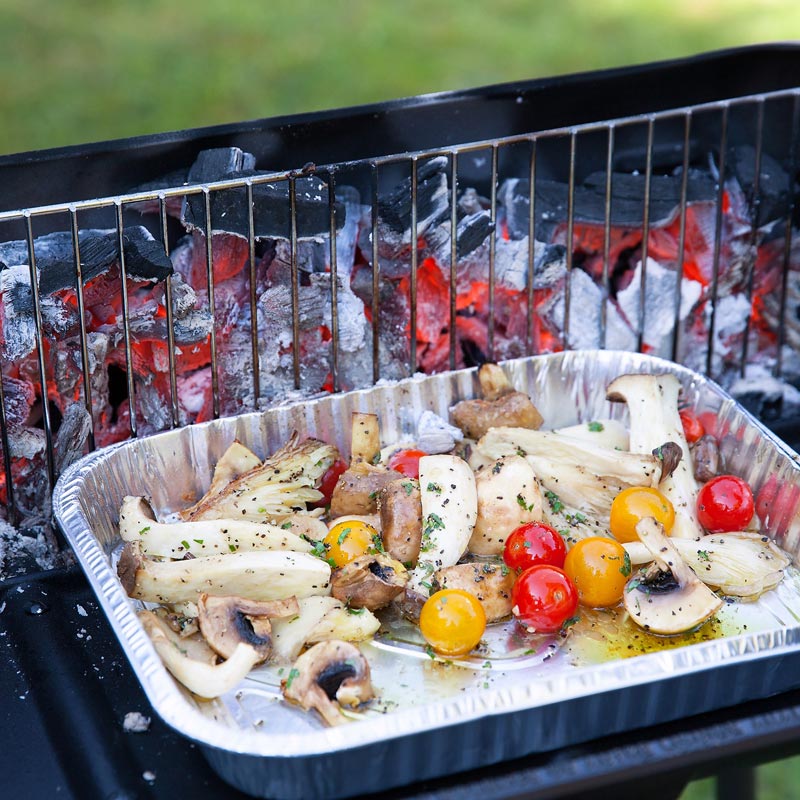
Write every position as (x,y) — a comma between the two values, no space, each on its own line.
(217,163)
(433,202)
(773,182)
(472,232)
(99,249)
(271,209)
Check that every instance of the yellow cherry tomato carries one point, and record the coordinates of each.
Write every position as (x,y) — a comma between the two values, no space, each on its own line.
(348,540)
(452,622)
(634,504)
(599,567)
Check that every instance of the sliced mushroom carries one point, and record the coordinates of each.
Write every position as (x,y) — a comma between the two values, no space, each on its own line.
(667,597)
(706,458)
(201,677)
(226,622)
(508,496)
(475,417)
(370,581)
(490,583)
(327,676)
(270,575)
(400,508)
(357,489)
(203,537)
(652,402)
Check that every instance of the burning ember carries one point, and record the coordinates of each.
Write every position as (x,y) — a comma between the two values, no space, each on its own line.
(537,305)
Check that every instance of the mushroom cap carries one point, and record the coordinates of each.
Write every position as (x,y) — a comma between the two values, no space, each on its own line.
(226,622)
(328,675)
(667,598)
(371,581)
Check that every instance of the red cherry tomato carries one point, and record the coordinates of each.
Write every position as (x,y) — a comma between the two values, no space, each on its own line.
(534,543)
(406,462)
(543,598)
(328,482)
(692,427)
(724,504)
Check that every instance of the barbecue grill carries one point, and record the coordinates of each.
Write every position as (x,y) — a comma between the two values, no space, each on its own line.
(551,206)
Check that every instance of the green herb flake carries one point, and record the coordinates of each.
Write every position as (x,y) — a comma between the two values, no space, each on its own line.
(529,652)
(331,563)
(486,665)
(429,650)
(293,673)
(343,535)
(377,543)
(625,569)
(287,526)
(185,544)
(144,530)
(434,487)
(355,611)
(522,504)
(703,555)
(373,495)
(408,486)
(261,510)
(198,541)
(233,548)
(634,584)
(319,550)
(376,458)
(555,502)
(568,623)
(595,427)
(504,570)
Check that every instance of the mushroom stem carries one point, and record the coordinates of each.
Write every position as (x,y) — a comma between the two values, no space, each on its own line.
(202,679)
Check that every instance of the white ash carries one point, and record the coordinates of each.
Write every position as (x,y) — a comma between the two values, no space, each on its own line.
(81,610)
(17,546)
(659,310)
(26,442)
(19,328)
(434,435)
(149,776)
(136,722)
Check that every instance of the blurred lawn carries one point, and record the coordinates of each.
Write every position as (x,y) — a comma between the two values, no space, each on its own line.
(98,69)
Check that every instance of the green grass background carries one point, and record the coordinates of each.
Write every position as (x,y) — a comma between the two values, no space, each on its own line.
(76,72)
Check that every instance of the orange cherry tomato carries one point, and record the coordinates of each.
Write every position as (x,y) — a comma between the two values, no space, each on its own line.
(348,540)
(692,427)
(452,622)
(406,462)
(599,567)
(632,505)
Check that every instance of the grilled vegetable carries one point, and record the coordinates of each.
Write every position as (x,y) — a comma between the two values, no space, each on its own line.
(328,672)
(270,575)
(137,523)
(201,677)
(667,597)
(371,581)
(653,407)
(739,564)
(449,510)
(283,484)
(508,496)
(400,508)
(585,476)
(491,584)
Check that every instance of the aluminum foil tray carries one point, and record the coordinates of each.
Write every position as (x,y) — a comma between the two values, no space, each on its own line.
(435,717)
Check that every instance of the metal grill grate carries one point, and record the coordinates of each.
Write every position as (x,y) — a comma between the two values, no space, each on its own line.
(770,116)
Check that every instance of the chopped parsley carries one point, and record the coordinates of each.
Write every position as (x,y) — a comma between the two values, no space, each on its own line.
(434,487)
(522,504)
(430,652)
(433,522)
(568,623)
(144,530)
(286,526)
(625,569)
(634,584)
(343,535)
(408,486)
(319,550)
(232,547)
(377,544)
(198,541)
(355,611)
(293,673)
(703,555)
(555,502)
(184,544)
(504,570)
(595,427)
(261,510)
